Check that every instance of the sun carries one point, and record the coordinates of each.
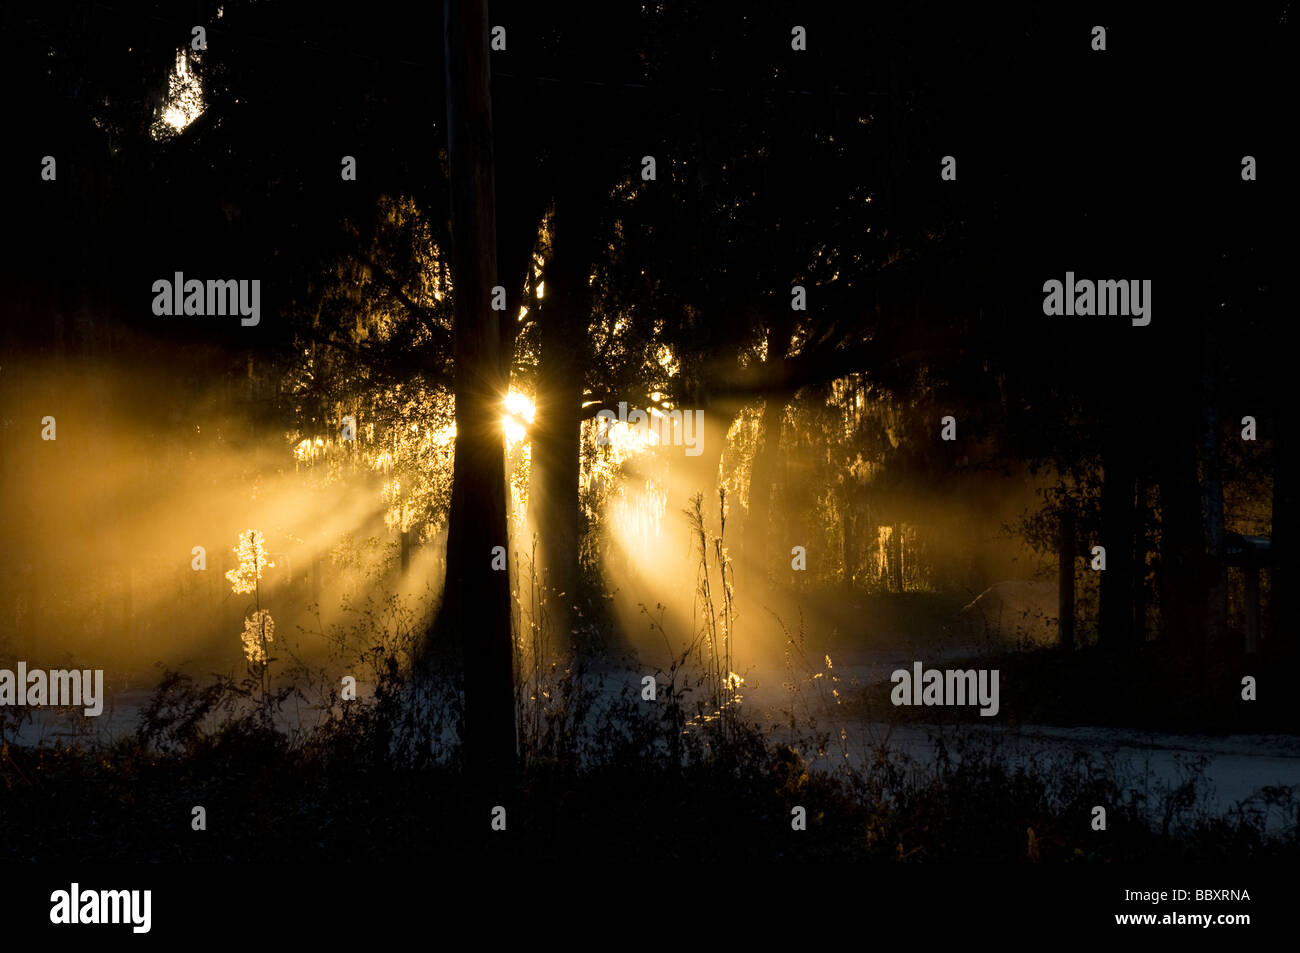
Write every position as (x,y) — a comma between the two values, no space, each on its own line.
(520,411)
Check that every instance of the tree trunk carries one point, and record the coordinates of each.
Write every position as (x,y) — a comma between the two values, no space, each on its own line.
(1140,563)
(1115,616)
(476,597)
(1251,599)
(757,549)
(849,530)
(1282,574)
(565,316)
(1216,570)
(896,557)
(1065,550)
(1182,544)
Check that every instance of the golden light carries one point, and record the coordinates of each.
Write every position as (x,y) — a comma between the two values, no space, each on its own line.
(259,629)
(670,364)
(637,510)
(622,440)
(308,450)
(252,555)
(184,100)
(520,411)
